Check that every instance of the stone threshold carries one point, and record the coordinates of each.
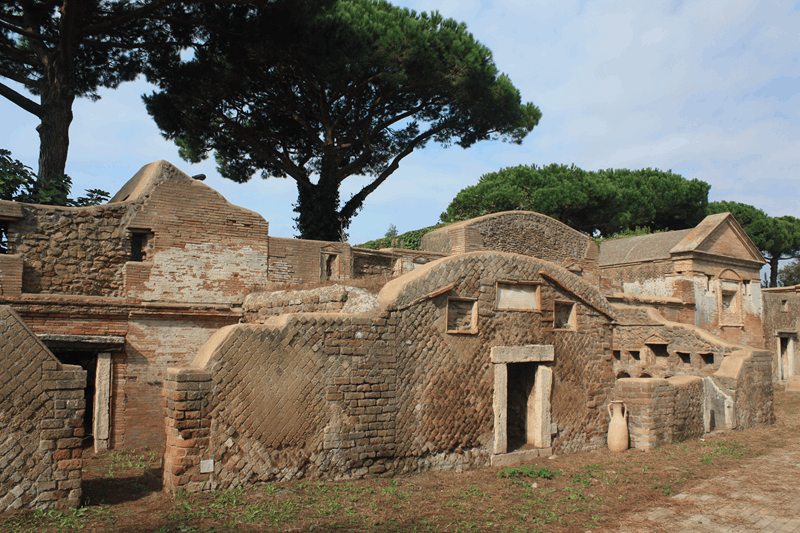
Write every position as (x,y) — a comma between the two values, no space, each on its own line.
(520,456)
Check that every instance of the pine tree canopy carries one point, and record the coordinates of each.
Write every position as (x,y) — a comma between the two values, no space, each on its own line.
(349,88)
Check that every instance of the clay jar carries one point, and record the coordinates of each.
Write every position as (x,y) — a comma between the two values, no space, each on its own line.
(618,427)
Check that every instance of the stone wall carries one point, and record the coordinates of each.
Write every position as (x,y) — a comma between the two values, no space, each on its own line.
(782,330)
(392,390)
(647,345)
(41,422)
(72,250)
(258,306)
(661,411)
(520,232)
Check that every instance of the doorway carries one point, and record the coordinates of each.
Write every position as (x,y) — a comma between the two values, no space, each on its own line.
(521,403)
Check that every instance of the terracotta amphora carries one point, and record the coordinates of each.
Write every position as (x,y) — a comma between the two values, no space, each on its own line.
(618,427)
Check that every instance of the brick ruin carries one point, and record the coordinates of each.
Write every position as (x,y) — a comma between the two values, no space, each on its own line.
(504,337)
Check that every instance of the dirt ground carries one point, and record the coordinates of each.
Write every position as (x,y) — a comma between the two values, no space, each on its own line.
(592,491)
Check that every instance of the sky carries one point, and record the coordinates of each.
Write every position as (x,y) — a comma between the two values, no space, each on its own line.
(707,89)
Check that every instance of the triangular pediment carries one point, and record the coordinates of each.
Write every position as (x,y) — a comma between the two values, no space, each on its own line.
(330,248)
(655,339)
(720,235)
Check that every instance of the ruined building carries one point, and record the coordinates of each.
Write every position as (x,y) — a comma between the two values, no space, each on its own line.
(503,338)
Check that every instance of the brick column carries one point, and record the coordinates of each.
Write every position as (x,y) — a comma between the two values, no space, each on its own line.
(651,410)
(62,435)
(188,427)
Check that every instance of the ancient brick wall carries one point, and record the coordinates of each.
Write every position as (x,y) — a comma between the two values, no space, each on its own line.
(782,330)
(392,390)
(650,278)
(293,261)
(259,306)
(390,262)
(10,275)
(661,411)
(520,232)
(72,250)
(747,376)
(647,345)
(41,422)
(196,246)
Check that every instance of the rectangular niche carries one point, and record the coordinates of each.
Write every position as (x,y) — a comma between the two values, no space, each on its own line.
(564,315)
(660,352)
(707,358)
(518,296)
(462,316)
(686,357)
(141,244)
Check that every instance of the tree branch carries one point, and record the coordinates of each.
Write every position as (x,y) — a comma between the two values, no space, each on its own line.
(349,209)
(25,103)
(14,28)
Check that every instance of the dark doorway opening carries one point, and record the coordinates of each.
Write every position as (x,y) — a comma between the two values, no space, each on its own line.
(88,362)
(521,380)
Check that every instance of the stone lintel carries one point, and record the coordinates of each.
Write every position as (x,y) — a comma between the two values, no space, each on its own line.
(83,343)
(522,354)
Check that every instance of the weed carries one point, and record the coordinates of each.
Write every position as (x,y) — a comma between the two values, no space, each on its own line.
(529,471)
(665,489)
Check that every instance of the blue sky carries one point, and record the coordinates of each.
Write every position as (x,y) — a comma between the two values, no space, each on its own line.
(706,89)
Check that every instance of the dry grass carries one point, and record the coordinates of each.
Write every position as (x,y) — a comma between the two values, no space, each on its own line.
(576,493)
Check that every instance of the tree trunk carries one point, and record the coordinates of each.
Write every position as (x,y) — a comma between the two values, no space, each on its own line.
(318,212)
(54,139)
(773,270)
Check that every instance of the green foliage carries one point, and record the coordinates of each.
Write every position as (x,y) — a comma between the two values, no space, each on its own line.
(529,471)
(408,241)
(60,50)
(604,203)
(19,183)
(318,91)
(789,275)
(391,232)
(778,238)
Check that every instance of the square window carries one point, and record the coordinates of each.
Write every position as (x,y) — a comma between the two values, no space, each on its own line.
(707,358)
(660,352)
(635,355)
(462,316)
(564,315)
(686,357)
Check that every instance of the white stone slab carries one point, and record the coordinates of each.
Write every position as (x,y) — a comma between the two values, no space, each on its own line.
(522,354)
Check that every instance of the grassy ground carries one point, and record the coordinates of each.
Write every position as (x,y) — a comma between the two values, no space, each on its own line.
(575,493)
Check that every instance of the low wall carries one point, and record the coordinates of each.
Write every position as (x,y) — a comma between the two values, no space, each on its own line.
(41,422)
(661,411)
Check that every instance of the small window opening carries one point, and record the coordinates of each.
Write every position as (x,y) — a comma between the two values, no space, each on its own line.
(686,357)
(635,355)
(3,236)
(623,375)
(707,358)
(141,245)
(564,316)
(645,375)
(728,302)
(617,355)
(462,315)
(785,306)
(661,353)
(330,266)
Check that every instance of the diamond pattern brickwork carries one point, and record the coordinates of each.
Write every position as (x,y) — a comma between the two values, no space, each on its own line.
(41,421)
(391,391)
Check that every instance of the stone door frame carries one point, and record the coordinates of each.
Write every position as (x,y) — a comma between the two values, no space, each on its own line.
(538,423)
